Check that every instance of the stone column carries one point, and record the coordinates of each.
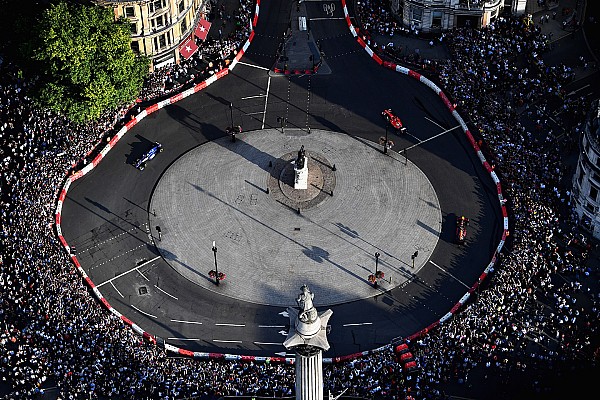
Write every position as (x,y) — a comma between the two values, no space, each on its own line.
(309,375)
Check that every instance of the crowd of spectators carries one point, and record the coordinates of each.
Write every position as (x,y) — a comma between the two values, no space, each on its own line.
(536,315)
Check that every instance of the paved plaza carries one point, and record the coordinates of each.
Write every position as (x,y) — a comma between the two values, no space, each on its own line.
(272,239)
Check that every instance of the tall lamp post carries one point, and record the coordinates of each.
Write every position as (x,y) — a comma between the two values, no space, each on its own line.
(416,253)
(385,144)
(214,249)
(233,129)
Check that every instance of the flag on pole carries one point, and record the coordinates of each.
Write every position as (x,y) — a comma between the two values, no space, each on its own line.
(188,48)
(202,29)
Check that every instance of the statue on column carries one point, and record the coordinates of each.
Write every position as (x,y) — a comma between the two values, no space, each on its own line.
(301,158)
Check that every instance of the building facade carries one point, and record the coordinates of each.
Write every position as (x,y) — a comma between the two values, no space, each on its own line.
(442,15)
(158,27)
(586,181)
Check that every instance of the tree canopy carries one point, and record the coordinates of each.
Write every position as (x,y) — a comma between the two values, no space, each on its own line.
(85,61)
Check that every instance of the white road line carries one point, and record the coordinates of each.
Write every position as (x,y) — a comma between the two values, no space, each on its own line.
(113,285)
(266,101)
(254,113)
(168,294)
(326,19)
(271,326)
(431,138)
(143,276)
(182,338)
(186,322)
(143,312)
(126,272)
(268,343)
(433,122)
(253,66)
(253,97)
(227,341)
(458,280)
(239,325)
(359,324)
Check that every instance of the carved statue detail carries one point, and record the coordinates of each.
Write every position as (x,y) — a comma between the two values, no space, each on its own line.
(308,312)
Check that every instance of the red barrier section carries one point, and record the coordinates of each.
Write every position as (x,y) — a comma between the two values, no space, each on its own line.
(152,108)
(414,74)
(131,124)
(377,59)
(176,98)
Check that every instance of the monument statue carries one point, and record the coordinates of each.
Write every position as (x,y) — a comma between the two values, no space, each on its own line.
(308,311)
(301,158)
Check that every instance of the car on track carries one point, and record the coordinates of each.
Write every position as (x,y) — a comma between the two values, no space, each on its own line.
(461,229)
(393,120)
(140,163)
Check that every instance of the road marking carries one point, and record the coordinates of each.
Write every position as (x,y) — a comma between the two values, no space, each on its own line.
(326,19)
(268,343)
(271,326)
(239,325)
(168,294)
(227,341)
(143,276)
(143,312)
(458,280)
(126,272)
(186,322)
(113,285)
(253,97)
(255,113)
(359,324)
(266,102)
(182,338)
(433,122)
(120,255)
(431,138)
(253,66)
(575,91)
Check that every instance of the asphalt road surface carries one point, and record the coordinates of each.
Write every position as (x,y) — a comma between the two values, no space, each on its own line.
(201,188)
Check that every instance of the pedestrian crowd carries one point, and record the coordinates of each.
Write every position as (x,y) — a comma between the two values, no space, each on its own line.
(536,315)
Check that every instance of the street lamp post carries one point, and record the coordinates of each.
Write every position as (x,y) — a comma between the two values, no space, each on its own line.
(376,267)
(416,253)
(385,144)
(214,249)
(232,129)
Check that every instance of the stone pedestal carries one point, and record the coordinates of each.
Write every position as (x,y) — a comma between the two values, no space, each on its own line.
(301,176)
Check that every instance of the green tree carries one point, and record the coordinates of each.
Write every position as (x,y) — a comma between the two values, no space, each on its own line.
(85,61)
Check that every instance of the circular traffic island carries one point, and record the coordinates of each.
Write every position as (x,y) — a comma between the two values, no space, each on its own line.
(272,238)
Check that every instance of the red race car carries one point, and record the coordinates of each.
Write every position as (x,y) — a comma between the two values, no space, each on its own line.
(393,120)
(461,229)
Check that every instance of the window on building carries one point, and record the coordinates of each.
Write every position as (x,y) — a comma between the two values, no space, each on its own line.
(181,6)
(130,12)
(580,177)
(417,14)
(183,25)
(135,46)
(162,41)
(158,22)
(593,193)
(157,5)
(436,19)
(590,208)
(133,28)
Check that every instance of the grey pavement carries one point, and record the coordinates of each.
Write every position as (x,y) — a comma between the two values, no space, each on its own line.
(218,192)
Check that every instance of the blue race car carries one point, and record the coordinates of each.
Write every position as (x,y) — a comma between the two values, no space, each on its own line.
(147,156)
